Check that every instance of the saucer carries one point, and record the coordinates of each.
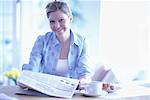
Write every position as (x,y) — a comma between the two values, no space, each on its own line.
(103,93)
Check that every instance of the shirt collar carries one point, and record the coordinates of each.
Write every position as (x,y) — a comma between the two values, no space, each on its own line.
(74,39)
(55,40)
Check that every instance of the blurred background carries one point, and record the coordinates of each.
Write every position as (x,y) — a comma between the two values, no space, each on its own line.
(118,33)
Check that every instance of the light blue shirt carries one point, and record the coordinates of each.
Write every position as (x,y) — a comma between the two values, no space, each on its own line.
(46,51)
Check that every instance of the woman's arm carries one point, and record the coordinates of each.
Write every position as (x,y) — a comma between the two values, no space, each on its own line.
(35,56)
(84,70)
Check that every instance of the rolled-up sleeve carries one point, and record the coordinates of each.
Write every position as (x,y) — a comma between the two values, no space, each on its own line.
(35,56)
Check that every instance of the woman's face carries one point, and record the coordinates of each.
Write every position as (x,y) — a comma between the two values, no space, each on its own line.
(60,22)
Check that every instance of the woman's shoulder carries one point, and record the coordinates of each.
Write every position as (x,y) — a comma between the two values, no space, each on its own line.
(79,39)
(45,36)
(79,36)
(49,34)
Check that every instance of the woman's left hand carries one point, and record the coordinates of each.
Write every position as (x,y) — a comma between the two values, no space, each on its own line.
(83,81)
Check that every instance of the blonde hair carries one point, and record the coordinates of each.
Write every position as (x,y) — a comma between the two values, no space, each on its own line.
(58,5)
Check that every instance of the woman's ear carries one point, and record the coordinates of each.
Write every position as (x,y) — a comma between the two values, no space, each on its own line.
(71,18)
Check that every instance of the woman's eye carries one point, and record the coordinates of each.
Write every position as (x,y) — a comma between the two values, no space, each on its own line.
(61,20)
(51,21)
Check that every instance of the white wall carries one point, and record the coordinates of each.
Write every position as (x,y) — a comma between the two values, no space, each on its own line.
(124,36)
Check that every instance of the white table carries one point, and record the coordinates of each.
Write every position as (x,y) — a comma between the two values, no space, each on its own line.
(127,92)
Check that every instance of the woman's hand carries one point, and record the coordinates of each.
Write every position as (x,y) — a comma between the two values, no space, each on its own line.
(83,81)
(21,85)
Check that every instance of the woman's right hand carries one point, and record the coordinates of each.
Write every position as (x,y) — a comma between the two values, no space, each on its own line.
(22,85)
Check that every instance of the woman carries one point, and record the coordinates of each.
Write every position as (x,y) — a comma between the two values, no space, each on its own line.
(60,52)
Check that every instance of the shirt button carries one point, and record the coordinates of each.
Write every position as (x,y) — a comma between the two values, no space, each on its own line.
(56,59)
(70,68)
(52,53)
(49,48)
(53,69)
(71,52)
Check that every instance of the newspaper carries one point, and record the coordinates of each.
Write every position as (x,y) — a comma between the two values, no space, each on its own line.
(49,84)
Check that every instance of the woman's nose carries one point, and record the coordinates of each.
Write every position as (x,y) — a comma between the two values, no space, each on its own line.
(57,25)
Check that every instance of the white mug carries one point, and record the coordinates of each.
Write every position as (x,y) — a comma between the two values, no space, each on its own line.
(93,88)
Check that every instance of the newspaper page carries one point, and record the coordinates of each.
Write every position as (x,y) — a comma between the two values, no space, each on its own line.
(49,84)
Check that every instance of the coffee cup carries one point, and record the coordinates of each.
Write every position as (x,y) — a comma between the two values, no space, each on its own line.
(93,88)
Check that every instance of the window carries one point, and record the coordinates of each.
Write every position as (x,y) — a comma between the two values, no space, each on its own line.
(9,47)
